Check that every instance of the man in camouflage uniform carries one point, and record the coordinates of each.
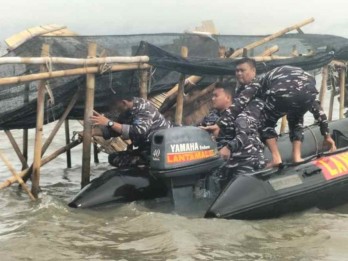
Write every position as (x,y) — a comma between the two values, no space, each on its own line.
(246,148)
(287,91)
(238,140)
(137,121)
(222,100)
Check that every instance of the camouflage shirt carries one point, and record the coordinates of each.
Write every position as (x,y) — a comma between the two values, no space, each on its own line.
(139,123)
(244,94)
(288,82)
(285,82)
(222,119)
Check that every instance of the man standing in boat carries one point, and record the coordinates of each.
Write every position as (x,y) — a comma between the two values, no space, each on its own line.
(137,121)
(286,90)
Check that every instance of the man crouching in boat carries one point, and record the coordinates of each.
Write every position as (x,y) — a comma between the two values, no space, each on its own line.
(137,121)
(286,90)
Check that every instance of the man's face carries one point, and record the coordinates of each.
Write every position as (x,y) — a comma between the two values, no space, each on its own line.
(121,106)
(221,99)
(245,73)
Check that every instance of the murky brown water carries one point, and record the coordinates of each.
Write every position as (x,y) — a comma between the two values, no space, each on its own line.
(49,230)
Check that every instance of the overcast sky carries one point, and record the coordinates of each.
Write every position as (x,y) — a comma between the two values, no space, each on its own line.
(88,17)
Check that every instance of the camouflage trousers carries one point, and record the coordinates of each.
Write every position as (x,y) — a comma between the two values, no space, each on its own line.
(126,159)
(231,170)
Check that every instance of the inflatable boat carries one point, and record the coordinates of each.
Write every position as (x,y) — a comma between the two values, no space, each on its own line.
(185,160)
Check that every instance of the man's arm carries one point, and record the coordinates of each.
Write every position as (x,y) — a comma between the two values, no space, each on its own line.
(103,129)
(320,116)
(243,98)
(139,128)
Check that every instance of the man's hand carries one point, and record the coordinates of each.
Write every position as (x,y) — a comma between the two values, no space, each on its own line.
(99,119)
(214,129)
(225,153)
(330,142)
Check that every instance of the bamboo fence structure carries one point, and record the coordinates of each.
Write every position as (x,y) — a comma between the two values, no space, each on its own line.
(159,99)
(128,63)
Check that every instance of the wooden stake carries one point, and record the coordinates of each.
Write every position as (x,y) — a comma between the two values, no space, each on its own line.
(95,151)
(324,76)
(67,141)
(332,98)
(15,175)
(25,131)
(17,149)
(39,129)
(342,78)
(271,37)
(44,161)
(143,83)
(87,127)
(71,72)
(180,96)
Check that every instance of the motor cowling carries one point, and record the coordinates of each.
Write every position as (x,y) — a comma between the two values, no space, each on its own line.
(183,151)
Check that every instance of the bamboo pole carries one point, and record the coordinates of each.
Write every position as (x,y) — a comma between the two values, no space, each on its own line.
(324,74)
(342,91)
(271,37)
(332,98)
(15,175)
(70,72)
(17,149)
(55,130)
(39,129)
(143,84)
(74,61)
(25,131)
(180,97)
(270,51)
(67,141)
(87,127)
(44,161)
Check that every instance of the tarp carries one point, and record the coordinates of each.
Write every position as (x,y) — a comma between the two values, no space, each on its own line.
(164,53)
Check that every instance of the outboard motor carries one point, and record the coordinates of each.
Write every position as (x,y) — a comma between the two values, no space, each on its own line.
(181,156)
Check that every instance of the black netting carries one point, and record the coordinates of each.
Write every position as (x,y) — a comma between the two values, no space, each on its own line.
(18,102)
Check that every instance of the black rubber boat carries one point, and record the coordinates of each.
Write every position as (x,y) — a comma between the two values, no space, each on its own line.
(184,158)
